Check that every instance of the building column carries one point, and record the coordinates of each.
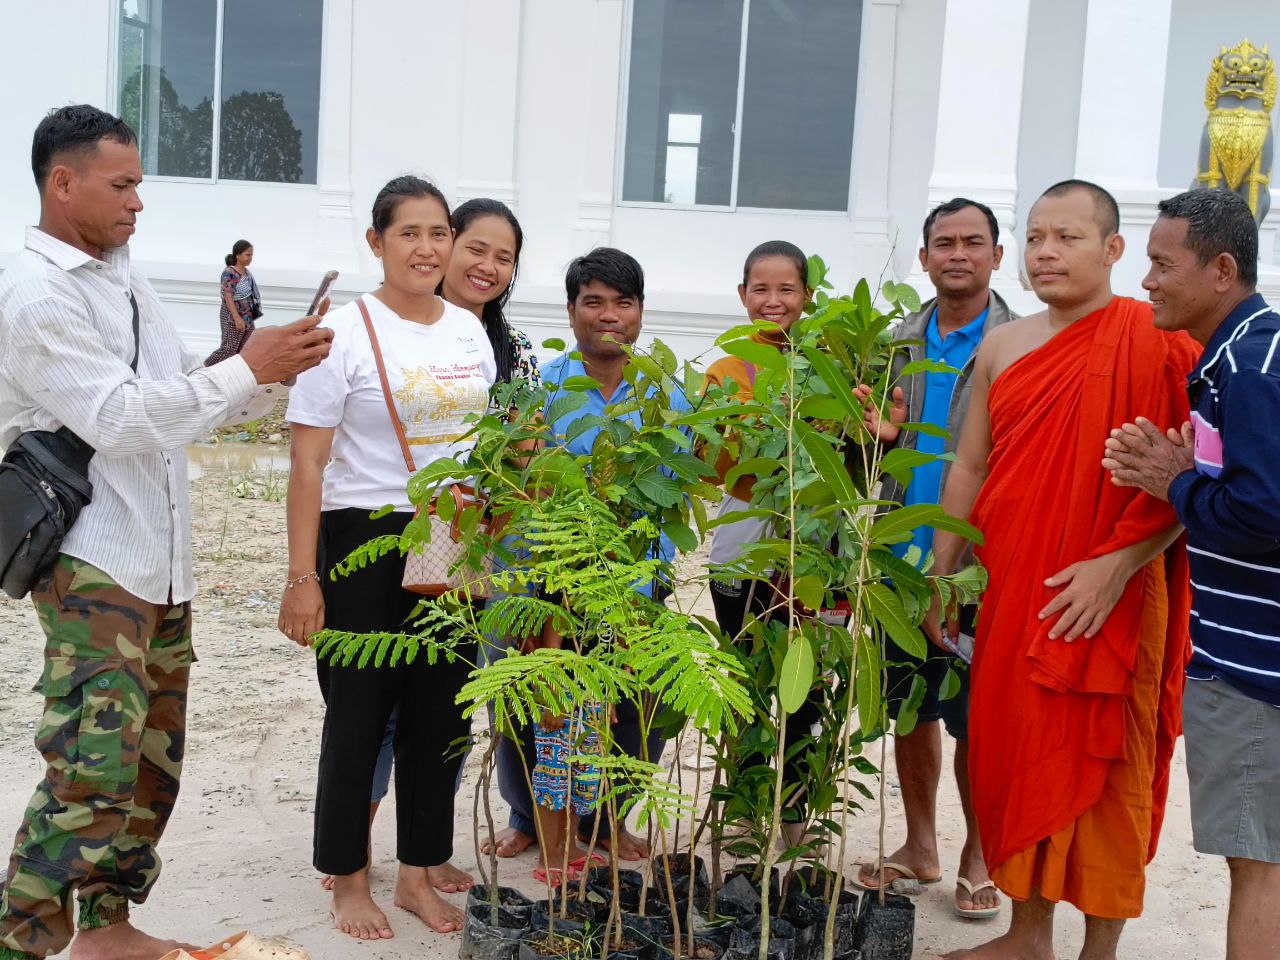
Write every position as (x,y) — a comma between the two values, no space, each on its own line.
(1121,110)
(873,121)
(490,79)
(594,223)
(1118,143)
(975,152)
(336,231)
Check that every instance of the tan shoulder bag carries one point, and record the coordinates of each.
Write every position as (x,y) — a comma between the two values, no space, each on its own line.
(438,566)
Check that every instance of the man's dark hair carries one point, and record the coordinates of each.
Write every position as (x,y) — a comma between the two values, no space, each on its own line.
(778,248)
(1218,221)
(610,266)
(1108,210)
(955,206)
(74,129)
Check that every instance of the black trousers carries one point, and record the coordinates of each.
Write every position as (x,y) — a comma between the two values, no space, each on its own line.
(358,702)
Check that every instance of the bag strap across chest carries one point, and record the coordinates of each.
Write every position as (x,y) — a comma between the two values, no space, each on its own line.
(386,387)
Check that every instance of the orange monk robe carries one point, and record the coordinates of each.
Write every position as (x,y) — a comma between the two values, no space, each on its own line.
(1071,742)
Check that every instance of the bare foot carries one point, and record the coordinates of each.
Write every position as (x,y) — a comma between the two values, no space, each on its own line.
(449,879)
(326,882)
(923,863)
(630,847)
(354,912)
(1007,947)
(121,941)
(510,843)
(415,894)
(974,869)
(559,859)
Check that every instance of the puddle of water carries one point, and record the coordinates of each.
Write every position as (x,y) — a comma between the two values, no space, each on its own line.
(230,459)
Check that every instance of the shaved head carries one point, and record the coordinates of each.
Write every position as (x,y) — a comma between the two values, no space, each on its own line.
(1107,210)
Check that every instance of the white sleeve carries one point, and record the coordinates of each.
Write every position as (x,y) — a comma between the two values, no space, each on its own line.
(57,355)
(320,395)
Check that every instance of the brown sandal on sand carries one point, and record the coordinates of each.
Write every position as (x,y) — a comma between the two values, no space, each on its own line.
(903,873)
(242,946)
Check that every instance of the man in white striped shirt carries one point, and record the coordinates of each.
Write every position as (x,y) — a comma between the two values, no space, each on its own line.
(115,606)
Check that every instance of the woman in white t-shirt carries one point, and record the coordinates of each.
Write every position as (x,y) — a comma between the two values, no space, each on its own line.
(346,464)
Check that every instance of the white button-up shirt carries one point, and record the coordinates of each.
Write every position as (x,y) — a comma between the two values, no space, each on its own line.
(66,344)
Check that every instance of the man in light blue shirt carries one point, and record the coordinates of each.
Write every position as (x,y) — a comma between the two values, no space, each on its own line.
(961,250)
(955,349)
(605,300)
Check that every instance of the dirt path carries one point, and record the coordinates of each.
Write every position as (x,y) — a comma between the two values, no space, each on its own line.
(239,848)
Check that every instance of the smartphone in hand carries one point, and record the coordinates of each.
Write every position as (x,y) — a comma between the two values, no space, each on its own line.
(962,646)
(326,283)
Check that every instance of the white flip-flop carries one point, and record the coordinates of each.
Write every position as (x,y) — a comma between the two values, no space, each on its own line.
(979,913)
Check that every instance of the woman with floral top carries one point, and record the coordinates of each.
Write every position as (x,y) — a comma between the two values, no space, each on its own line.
(241,302)
(481,275)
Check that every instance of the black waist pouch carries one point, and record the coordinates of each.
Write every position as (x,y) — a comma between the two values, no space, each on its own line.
(44,484)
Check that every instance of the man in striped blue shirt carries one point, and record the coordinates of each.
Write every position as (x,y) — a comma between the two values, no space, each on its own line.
(1220,474)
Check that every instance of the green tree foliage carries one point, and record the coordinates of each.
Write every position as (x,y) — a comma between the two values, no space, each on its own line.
(259,139)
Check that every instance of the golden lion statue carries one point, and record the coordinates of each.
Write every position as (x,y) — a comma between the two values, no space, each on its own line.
(1237,147)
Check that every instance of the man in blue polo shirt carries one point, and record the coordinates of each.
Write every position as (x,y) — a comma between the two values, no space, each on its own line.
(1220,474)
(961,250)
(605,300)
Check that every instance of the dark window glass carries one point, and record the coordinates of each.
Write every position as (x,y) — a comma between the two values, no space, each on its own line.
(270,90)
(798,104)
(166,83)
(683,85)
(799,85)
(269,114)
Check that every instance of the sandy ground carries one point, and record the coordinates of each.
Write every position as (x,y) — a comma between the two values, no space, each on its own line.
(238,850)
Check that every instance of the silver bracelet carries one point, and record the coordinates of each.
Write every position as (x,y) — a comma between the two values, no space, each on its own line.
(290,584)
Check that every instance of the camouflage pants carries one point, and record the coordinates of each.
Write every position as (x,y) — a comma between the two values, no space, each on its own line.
(112,734)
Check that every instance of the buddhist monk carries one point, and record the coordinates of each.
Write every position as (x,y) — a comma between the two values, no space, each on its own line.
(1082,633)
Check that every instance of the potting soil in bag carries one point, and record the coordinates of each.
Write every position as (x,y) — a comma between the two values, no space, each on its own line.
(885,931)
(574,919)
(484,941)
(738,898)
(630,883)
(744,944)
(807,914)
(703,949)
(568,946)
(513,906)
(652,929)
(754,870)
(679,864)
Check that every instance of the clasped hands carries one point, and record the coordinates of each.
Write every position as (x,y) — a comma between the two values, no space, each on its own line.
(1139,455)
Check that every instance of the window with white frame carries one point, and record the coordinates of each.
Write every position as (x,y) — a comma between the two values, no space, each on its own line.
(223,89)
(741,103)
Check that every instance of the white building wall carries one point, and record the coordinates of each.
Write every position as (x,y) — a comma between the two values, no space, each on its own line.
(522,100)
(509,98)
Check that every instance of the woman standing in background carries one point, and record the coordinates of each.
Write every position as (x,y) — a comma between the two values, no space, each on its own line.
(241,302)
